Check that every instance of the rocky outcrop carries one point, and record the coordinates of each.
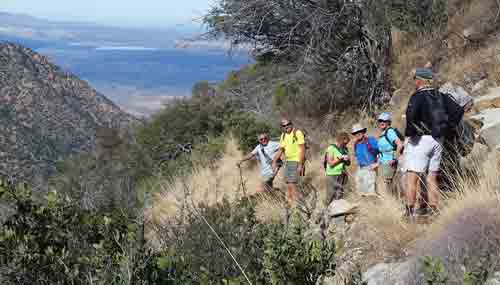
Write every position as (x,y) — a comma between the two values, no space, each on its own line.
(46,113)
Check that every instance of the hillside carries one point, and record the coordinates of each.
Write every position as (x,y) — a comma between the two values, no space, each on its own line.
(46,113)
(184,210)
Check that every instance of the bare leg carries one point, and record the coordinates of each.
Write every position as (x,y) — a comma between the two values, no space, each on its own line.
(291,194)
(433,190)
(411,188)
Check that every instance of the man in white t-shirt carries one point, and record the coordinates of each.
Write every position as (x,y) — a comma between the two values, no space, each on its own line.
(264,153)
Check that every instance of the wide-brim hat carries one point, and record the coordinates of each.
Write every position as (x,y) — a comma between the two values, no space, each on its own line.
(357,128)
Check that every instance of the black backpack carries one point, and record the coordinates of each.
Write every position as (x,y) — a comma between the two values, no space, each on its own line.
(446,114)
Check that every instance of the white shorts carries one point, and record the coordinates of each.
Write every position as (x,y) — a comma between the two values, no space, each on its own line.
(422,155)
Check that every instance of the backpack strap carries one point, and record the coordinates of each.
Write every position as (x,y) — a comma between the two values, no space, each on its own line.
(266,156)
(394,146)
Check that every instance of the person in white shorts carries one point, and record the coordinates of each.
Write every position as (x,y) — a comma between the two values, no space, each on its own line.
(426,124)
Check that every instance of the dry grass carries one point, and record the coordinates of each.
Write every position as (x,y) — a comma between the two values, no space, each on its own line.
(466,235)
(207,184)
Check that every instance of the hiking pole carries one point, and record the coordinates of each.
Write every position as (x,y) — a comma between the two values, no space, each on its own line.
(242,185)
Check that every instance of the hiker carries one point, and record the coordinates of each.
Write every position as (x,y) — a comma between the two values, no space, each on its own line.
(336,162)
(390,147)
(265,153)
(292,145)
(427,122)
(366,151)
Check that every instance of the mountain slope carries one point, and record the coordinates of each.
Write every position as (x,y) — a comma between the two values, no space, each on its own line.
(46,113)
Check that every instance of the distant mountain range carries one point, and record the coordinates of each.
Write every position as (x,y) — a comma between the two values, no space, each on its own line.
(46,113)
(139,69)
(35,29)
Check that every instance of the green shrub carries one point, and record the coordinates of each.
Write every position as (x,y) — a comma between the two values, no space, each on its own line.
(269,253)
(57,242)
(187,121)
(290,257)
(246,127)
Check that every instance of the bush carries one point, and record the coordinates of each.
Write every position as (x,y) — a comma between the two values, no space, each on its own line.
(269,253)
(247,127)
(57,242)
(191,121)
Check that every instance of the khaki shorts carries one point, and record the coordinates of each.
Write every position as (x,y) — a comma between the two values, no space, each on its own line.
(387,171)
(366,180)
(422,155)
(291,176)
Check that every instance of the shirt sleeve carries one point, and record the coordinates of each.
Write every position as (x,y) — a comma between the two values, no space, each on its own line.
(255,151)
(392,136)
(411,116)
(300,137)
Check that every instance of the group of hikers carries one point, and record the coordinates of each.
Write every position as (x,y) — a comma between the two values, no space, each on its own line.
(426,156)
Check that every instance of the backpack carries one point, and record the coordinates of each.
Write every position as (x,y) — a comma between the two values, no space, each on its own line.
(398,133)
(445,114)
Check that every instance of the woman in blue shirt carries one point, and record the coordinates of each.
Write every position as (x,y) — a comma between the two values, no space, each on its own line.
(390,148)
(366,151)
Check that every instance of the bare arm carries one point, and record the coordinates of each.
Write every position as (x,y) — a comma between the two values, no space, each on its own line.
(302,154)
(247,157)
(332,161)
(399,148)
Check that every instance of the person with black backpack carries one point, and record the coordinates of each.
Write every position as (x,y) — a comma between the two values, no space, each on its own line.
(335,163)
(429,120)
(265,153)
(390,144)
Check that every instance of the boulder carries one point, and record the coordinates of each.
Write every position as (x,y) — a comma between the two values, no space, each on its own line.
(390,273)
(490,131)
(495,280)
(341,208)
(491,100)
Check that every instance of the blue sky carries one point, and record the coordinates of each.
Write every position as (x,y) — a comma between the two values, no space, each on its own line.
(152,13)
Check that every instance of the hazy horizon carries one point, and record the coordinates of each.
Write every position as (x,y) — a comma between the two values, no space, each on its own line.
(118,13)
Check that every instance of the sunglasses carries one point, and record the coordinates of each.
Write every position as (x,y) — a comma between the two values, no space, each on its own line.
(286,125)
(382,121)
(263,139)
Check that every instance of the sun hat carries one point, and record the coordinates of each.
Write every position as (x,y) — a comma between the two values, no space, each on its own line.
(357,128)
(384,117)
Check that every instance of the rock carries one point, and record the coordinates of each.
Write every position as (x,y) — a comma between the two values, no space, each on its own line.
(495,280)
(341,208)
(482,84)
(490,132)
(390,273)
(491,100)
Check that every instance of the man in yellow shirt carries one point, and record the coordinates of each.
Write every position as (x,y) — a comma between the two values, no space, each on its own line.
(292,145)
